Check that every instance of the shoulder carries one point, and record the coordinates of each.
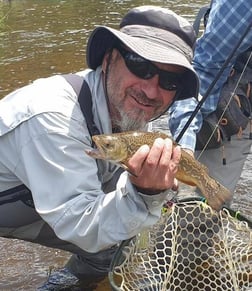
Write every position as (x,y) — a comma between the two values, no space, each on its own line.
(45,95)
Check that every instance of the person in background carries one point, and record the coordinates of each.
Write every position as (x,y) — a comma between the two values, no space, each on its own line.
(73,202)
(227,22)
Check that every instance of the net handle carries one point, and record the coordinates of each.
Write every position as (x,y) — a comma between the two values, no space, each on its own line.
(117,257)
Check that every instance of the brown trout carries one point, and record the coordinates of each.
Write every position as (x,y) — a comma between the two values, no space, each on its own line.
(120,147)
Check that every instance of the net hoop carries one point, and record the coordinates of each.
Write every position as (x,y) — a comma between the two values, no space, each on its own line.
(158,258)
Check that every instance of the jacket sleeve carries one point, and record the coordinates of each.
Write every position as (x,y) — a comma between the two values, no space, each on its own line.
(179,113)
(67,185)
(222,34)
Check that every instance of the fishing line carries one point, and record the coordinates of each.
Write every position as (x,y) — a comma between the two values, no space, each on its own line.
(210,88)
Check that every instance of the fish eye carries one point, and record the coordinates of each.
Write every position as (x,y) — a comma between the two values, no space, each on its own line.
(108,145)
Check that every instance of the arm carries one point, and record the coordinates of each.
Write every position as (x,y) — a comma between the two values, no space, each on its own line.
(227,21)
(221,35)
(180,112)
(67,190)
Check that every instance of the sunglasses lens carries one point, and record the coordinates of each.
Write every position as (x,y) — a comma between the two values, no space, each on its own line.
(139,66)
(144,69)
(170,81)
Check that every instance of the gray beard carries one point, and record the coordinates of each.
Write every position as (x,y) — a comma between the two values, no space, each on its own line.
(127,123)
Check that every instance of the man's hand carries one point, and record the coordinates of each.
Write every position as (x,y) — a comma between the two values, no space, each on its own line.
(155,168)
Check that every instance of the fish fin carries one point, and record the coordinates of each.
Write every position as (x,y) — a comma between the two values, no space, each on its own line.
(184,179)
(189,183)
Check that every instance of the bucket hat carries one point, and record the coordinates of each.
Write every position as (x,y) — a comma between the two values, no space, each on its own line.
(155,33)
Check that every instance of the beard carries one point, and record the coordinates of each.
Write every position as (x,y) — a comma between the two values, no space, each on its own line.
(134,119)
(126,122)
(122,120)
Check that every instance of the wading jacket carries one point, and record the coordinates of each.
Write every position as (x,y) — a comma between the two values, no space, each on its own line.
(43,138)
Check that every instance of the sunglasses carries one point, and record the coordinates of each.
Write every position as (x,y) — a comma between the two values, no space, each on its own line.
(145,69)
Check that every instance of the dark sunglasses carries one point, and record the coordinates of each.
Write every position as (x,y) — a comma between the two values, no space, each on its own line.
(145,69)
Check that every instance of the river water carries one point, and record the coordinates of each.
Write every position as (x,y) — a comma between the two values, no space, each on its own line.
(42,38)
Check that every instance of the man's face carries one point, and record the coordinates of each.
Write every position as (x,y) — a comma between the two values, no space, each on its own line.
(134,101)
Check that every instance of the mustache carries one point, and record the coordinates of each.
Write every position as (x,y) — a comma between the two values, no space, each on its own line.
(142,98)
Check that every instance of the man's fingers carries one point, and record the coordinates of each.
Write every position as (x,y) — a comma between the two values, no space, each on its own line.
(166,153)
(156,151)
(175,158)
(138,159)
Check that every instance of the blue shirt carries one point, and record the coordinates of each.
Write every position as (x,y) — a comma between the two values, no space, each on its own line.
(228,20)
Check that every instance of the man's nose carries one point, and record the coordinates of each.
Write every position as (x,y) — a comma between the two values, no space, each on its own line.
(151,87)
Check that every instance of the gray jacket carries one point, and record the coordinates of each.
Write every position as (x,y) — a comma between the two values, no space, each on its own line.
(43,138)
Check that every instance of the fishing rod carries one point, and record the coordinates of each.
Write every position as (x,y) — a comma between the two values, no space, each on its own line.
(210,88)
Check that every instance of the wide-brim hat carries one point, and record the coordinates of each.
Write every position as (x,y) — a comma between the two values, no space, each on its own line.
(157,34)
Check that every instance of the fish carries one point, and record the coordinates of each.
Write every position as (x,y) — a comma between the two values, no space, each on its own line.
(120,147)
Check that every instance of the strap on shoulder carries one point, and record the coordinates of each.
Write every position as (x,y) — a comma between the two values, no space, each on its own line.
(201,15)
(82,90)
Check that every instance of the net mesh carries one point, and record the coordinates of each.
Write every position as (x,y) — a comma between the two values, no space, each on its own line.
(192,247)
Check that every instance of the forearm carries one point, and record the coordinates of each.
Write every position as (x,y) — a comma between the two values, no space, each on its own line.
(68,194)
(223,30)
(105,220)
(180,112)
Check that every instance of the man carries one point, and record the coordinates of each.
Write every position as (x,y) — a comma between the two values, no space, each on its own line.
(79,204)
(228,20)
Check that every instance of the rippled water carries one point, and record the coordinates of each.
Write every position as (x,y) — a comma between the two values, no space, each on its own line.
(41,38)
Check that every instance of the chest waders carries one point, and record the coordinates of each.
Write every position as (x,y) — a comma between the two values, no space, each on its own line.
(29,226)
(82,90)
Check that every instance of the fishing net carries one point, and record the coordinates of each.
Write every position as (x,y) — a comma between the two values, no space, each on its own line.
(192,247)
